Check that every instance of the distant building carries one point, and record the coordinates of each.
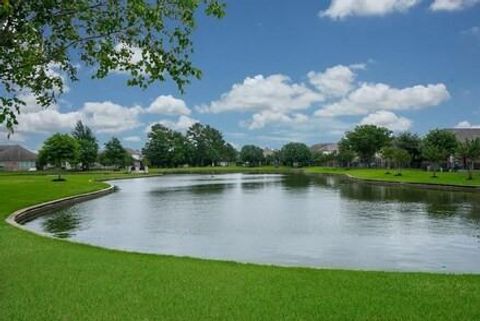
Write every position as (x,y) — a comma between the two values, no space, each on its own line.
(463,134)
(16,158)
(327,148)
(267,151)
(138,164)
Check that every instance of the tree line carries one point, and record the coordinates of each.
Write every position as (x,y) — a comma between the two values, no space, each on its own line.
(368,143)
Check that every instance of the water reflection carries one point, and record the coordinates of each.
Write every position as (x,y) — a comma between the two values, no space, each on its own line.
(63,223)
(295,219)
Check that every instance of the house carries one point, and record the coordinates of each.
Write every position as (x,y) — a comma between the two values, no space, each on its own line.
(463,134)
(138,164)
(16,158)
(327,148)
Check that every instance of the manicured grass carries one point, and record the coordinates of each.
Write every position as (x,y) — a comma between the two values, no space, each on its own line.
(46,279)
(408,176)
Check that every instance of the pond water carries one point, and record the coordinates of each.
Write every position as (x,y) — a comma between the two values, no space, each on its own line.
(286,220)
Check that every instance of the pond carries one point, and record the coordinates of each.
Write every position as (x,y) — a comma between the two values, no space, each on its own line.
(300,220)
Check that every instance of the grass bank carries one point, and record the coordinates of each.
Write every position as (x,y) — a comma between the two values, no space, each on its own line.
(46,279)
(413,176)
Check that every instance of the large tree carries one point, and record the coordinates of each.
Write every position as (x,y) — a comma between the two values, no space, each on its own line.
(296,154)
(207,143)
(412,143)
(58,150)
(43,42)
(251,154)
(166,147)
(469,152)
(88,146)
(438,145)
(114,154)
(367,140)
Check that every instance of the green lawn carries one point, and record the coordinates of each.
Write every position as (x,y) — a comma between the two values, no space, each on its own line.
(408,176)
(46,279)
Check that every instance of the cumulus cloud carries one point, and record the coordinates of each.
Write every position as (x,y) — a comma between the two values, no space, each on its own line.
(452,5)
(335,81)
(387,119)
(181,124)
(108,117)
(466,124)
(340,9)
(273,98)
(275,92)
(168,105)
(260,120)
(374,97)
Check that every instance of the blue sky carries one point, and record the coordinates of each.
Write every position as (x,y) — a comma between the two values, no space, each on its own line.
(280,71)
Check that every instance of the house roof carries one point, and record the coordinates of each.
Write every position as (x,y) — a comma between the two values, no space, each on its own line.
(325,147)
(465,133)
(16,153)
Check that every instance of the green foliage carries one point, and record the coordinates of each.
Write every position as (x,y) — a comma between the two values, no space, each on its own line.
(296,154)
(469,151)
(323,159)
(230,154)
(437,146)
(207,144)
(251,154)
(412,143)
(58,150)
(367,140)
(42,43)
(114,154)
(166,148)
(88,146)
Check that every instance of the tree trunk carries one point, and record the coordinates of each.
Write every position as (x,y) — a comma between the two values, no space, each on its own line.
(470,170)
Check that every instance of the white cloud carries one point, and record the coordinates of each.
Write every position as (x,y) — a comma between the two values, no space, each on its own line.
(260,120)
(340,9)
(108,117)
(336,81)
(47,121)
(272,99)
(466,124)
(132,139)
(387,119)
(181,124)
(373,97)
(452,5)
(258,93)
(168,105)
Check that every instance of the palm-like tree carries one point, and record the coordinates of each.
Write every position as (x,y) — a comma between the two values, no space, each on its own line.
(469,151)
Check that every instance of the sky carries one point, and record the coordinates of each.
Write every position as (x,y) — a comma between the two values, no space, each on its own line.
(277,71)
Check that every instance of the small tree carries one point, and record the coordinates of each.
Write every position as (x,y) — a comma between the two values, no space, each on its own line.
(251,154)
(402,158)
(469,151)
(58,150)
(115,154)
(388,154)
(367,140)
(88,146)
(438,145)
(345,157)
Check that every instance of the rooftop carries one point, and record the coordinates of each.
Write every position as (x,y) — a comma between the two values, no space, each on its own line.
(465,133)
(16,153)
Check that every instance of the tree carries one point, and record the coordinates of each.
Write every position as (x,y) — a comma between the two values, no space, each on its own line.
(437,146)
(345,157)
(208,145)
(367,140)
(296,154)
(469,151)
(388,154)
(412,143)
(165,147)
(42,43)
(114,154)
(88,146)
(230,154)
(58,150)
(251,154)
(402,158)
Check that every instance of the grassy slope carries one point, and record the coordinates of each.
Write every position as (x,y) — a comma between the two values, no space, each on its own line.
(45,279)
(408,176)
